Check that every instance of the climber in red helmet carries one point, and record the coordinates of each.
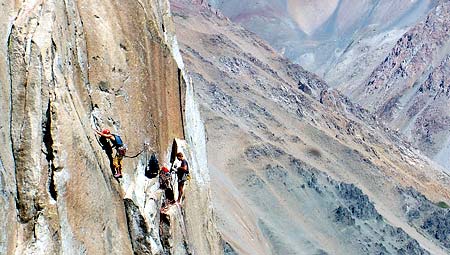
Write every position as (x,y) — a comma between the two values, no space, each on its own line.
(117,143)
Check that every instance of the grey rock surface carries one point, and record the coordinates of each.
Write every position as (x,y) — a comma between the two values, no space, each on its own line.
(291,164)
(431,218)
(67,67)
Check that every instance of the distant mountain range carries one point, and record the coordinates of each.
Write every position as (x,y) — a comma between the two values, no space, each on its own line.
(317,34)
(393,63)
(282,160)
(296,167)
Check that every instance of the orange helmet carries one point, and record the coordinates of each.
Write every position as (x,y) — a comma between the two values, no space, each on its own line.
(106,131)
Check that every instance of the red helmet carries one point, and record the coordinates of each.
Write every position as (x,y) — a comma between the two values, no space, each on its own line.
(165,169)
(106,131)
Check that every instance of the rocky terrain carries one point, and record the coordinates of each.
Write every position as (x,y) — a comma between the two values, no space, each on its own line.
(409,89)
(340,40)
(393,65)
(296,168)
(68,67)
(280,163)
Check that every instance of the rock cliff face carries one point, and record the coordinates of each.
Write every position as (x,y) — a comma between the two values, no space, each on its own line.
(66,67)
(292,161)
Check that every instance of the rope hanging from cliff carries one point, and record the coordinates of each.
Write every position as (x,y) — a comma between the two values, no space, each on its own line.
(139,153)
(146,146)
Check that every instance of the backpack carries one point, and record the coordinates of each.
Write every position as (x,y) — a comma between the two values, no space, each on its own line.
(152,168)
(120,146)
(118,142)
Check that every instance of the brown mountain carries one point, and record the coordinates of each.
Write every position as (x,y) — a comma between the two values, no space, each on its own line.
(333,39)
(296,168)
(393,63)
(409,90)
(285,165)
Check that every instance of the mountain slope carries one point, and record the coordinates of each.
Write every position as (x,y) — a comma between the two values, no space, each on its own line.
(384,60)
(327,37)
(409,89)
(289,171)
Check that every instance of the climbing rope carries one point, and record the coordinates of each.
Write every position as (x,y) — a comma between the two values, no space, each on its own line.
(146,146)
(139,153)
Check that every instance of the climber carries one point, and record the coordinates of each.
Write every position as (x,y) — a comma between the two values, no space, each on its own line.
(117,143)
(106,146)
(182,174)
(165,183)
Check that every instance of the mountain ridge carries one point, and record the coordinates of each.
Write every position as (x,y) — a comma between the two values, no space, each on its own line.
(407,90)
(280,149)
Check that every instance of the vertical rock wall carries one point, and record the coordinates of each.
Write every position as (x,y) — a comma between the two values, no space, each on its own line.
(7,178)
(65,67)
(189,229)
